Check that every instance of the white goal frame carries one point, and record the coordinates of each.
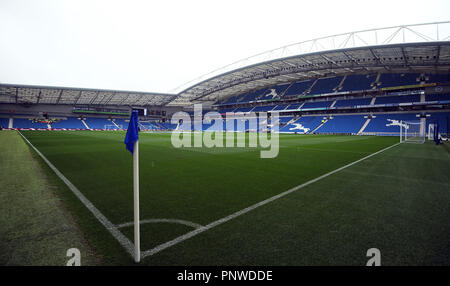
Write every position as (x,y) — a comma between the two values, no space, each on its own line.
(431,128)
(412,131)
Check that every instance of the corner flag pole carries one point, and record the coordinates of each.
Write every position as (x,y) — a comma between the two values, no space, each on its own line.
(137,246)
(132,145)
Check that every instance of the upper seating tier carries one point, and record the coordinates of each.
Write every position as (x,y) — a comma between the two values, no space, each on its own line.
(352,82)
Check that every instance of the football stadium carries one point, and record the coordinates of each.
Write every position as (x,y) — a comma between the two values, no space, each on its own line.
(356,126)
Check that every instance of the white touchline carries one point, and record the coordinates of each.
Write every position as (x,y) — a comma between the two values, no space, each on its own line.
(250,208)
(122,239)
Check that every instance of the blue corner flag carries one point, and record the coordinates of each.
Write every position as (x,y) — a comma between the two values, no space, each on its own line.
(131,139)
(132,132)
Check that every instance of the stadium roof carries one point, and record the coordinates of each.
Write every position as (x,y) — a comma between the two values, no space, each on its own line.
(25,94)
(407,48)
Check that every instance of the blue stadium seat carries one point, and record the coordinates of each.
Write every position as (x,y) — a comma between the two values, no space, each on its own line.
(308,122)
(358,82)
(437,97)
(393,80)
(273,92)
(343,124)
(438,78)
(121,122)
(27,123)
(443,118)
(397,99)
(280,107)
(263,108)
(234,99)
(353,102)
(252,96)
(325,85)
(284,119)
(4,122)
(225,110)
(167,125)
(318,104)
(243,109)
(293,106)
(298,88)
(69,123)
(378,124)
(99,123)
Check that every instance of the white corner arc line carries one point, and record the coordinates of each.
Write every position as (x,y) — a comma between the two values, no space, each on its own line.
(162,220)
(252,207)
(122,239)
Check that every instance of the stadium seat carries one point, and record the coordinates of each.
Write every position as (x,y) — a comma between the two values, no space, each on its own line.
(394,80)
(317,104)
(99,123)
(352,102)
(325,85)
(358,82)
(305,124)
(397,99)
(4,122)
(68,123)
(298,88)
(28,123)
(343,124)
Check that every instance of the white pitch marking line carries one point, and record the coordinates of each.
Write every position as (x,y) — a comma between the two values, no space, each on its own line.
(122,239)
(250,208)
(162,220)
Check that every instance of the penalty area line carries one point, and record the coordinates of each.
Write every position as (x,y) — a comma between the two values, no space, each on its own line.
(122,239)
(252,207)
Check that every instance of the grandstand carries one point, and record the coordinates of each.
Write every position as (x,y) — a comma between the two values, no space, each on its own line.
(336,107)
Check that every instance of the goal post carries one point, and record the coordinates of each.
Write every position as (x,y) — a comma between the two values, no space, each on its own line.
(431,128)
(412,131)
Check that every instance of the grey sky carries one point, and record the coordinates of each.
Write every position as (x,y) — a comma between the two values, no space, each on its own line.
(158,45)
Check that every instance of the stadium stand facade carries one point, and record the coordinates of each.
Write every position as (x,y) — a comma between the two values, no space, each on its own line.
(326,117)
(342,84)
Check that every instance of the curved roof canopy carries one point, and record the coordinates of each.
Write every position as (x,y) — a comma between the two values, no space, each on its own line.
(408,48)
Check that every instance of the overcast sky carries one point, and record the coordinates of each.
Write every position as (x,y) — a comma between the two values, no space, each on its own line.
(158,45)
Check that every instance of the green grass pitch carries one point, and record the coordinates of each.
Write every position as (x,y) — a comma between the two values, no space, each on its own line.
(397,201)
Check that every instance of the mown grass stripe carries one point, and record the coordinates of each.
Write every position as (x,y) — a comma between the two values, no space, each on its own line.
(252,207)
(122,239)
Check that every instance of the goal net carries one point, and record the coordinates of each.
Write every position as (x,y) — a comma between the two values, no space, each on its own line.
(412,131)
